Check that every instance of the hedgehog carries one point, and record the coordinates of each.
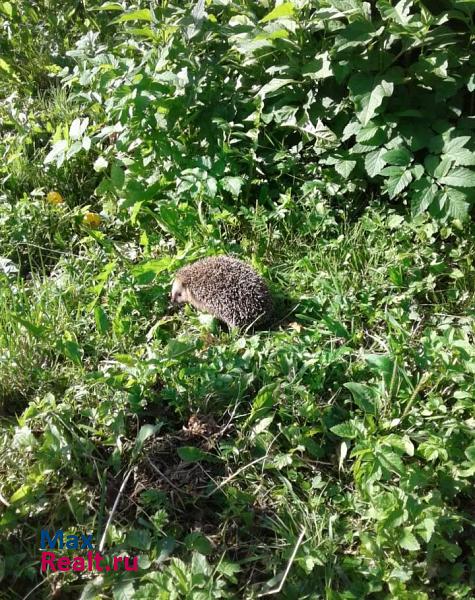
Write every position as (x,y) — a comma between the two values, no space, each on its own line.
(225,287)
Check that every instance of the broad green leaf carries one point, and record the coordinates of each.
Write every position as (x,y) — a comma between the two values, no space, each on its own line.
(408,540)
(456,144)
(463,157)
(285,10)
(136,15)
(22,492)
(232,185)
(374,162)
(470,453)
(199,542)
(102,322)
(398,182)
(345,167)
(72,350)
(154,266)
(363,396)
(57,153)
(423,194)
(100,164)
(117,176)
(460,177)
(145,432)
(273,85)
(345,430)
(75,129)
(319,67)
(456,204)
(191,454)
(123,590)
(398,156)
(368,94)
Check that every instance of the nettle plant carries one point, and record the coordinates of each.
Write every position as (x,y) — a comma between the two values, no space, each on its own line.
(239,100)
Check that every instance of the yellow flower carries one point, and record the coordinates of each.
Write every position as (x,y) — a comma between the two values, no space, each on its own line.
(54,198)
(92,219)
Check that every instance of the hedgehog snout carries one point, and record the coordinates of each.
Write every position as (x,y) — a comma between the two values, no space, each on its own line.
(178,293)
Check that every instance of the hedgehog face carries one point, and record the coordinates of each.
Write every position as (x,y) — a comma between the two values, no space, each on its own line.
(180,294)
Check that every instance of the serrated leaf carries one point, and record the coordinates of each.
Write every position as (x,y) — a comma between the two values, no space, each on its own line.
(283,11)
(398,182)
(345,167)
(455,144)
(463,157)
(424,193)
(368,94)
(374,162)
(459,177)
(456,204)
(199,542)
(232,185)
(398,156)
(345,430)
(408,541)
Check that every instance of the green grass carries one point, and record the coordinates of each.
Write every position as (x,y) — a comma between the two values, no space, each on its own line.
(348,422)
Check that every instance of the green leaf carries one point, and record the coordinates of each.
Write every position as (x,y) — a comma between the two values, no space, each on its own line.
(470,453)
(136,15)
(57,153)
(151,268)
(345,430)
(102,322)
(285,10)
(459,177)
(408,541)
(123,590)
(398,182)
(345,167)
(72,350)
(398,156)
(374,162)
(232,185)
(138,538)
(199,542)
(456,204)
(109,6)
(363,396)
(117,176)
(462,157)
(191,454)
(22,492)
(145,432)
(424,193)
(273,85)
(368,94)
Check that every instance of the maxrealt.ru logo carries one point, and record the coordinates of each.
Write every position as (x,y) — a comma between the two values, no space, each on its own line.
(91,561)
